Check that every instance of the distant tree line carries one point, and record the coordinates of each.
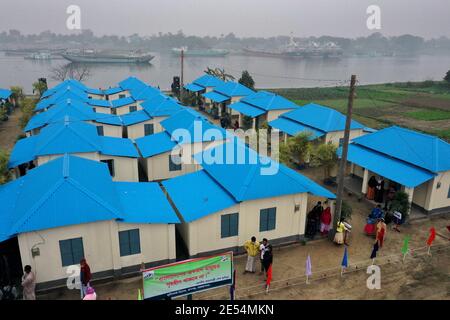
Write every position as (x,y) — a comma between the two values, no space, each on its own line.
(374,43)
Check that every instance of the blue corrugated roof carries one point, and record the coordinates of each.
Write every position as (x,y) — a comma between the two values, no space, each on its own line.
(76,85)
(193,204)
(216,97)
(99,103)
(60,96)
(246,175)
(57,113)
(81,189)
(117,147)
(422,150)
(133,85)
(95,91)
(147,93)
(293,128)
(161,105)
(71,190)
(111,119)
(198,127)
(155,209)
(155,144)
(233,89)
(193,87)
(122,102)
(247,109)
(69,137)
(5,93)
(320,117)
(135,117)
(269,101)
(207,80)
(113,90)
(63,86)
(388,167)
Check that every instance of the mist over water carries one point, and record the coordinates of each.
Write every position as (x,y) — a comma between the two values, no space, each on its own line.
(268,72)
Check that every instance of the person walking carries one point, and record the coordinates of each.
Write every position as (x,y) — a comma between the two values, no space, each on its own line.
(85,276)
(252,248)
(268,259)
(381,232)
(262,250)
(29,284)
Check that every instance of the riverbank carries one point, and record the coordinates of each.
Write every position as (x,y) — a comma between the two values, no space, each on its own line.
(422,106)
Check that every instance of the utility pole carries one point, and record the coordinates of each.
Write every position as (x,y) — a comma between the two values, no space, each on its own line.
(182,74)
(343,162)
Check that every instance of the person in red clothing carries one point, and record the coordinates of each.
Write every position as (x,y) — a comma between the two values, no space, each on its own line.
(325,220)
(85,276)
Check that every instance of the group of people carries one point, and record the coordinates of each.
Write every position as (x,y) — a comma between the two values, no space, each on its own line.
(375,189)
(318,220)
(87,292)
(225,122)
(262,250)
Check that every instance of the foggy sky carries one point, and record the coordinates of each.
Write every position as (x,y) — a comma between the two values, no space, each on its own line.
(346,18)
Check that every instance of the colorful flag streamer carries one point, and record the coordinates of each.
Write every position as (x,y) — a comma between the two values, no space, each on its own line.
(269,278)
(405,245)
(308,266)
(374,250)
(344,263)
(432,236)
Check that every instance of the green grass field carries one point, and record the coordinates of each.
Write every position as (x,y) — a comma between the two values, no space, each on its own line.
(429,115)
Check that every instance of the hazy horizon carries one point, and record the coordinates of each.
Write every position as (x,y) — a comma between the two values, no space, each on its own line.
(244,18)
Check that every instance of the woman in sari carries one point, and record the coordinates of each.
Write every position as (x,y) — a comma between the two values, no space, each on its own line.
(371,188)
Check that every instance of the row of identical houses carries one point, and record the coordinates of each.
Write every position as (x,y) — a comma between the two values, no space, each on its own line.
(117,187)
(129,187)
(411,161)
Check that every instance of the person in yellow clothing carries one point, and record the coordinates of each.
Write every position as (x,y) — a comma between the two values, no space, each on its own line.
(252,248)
(340,230)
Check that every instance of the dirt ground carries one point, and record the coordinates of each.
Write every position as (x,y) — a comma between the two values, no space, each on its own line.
(10,130)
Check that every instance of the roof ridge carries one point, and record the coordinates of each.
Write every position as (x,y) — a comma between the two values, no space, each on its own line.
(219,184)
(248,179)
(84,138)
(93,196)
(412,150)
(36,206)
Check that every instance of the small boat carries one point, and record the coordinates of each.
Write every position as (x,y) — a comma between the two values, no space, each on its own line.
(39,56)
(107,57)
(200,52)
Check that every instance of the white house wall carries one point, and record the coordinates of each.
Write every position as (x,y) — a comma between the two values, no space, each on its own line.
(100,244)
(205,234)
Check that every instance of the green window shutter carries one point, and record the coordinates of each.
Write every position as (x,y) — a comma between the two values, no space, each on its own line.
(272,219)
(225,226)
(124,243)
(135,243)
(263,220)
(234,224)
(77,250)
(66,252)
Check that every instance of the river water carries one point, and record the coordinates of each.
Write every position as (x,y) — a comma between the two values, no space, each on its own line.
(268,72)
